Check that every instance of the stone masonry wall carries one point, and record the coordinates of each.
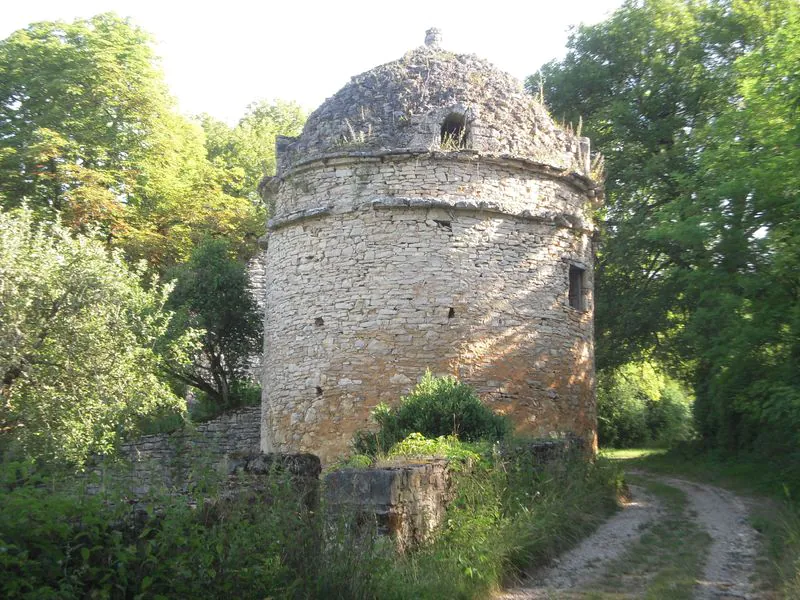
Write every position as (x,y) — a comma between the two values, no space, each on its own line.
(402,105)
(169,458)
(466,272)
(408,501)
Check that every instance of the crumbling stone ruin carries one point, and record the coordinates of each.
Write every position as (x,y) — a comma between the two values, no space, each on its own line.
(431,215)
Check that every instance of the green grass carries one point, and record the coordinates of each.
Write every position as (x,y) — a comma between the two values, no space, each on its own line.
(745,473)
(508,514)
(630,453)
(775,483)
(503,521)
(667,560)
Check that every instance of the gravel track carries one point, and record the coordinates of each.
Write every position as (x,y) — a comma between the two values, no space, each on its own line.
(731,560)
(729,566)
(579,566)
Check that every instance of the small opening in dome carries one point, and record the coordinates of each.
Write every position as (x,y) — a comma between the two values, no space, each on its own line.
(454,132)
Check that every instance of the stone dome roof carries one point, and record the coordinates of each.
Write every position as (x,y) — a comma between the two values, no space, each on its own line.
(434,100)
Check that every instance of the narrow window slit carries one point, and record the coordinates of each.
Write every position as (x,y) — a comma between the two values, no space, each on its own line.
(576,287)
(451,313)
(319,391)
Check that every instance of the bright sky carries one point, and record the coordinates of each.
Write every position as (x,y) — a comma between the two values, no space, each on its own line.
(219,57)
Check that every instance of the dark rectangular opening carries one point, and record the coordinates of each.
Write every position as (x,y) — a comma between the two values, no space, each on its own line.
(576,287)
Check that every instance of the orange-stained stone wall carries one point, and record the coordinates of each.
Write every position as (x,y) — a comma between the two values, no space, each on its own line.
(379,268)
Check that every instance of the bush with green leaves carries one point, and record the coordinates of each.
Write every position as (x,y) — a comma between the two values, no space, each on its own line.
(639,405)
(60,542)
(78,327)
(509,513)
(213,301)
(437,406)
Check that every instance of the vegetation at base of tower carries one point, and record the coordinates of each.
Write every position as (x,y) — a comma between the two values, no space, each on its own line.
(639,405)
(437,406)
(695,107)
(78,327)
(215,309)
(61,542)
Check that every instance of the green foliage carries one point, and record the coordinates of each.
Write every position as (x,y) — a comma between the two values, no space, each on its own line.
(508,515)
(438,406)
(450,447)
(246,152)
(509,512)
(695,107)
(242,393)
(59,542)
(90,132)
(212,299)
(78,103)
(639,405)
(77,331)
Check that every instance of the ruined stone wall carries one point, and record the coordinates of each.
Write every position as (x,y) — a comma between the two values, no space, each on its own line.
(380,269)
(408,501)
(169,458)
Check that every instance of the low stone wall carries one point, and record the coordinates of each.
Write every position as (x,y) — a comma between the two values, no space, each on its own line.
(177,459)
(408,501)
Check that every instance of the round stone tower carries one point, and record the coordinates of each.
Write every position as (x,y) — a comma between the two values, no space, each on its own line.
(430,216)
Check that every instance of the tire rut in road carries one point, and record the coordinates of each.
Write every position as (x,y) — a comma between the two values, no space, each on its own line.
(729,563)
(579,566)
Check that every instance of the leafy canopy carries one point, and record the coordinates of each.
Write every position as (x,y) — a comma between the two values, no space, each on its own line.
(77,334)
(695,105)
(90,132)
(212,298)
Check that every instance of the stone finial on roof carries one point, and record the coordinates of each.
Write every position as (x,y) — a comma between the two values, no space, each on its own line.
(433,37)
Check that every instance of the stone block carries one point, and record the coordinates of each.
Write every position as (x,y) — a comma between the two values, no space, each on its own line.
(408,502)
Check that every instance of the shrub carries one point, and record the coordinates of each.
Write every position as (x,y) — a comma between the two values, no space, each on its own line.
(438,406)
(639,405)
(78,328)
(242,393)
(56,541)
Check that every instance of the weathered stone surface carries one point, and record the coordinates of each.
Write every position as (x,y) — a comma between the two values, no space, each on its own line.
(403,104)
(172,459)
(390,252)
(408,501)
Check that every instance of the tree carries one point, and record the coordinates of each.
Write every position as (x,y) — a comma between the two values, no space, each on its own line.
(695,106)
(247,151)
(90,132)
(77,334)
(212,296)
(78,103)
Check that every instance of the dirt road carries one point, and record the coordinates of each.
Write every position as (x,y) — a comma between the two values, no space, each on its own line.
(673,539)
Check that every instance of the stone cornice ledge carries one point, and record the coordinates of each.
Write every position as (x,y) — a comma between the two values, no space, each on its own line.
(467,204)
